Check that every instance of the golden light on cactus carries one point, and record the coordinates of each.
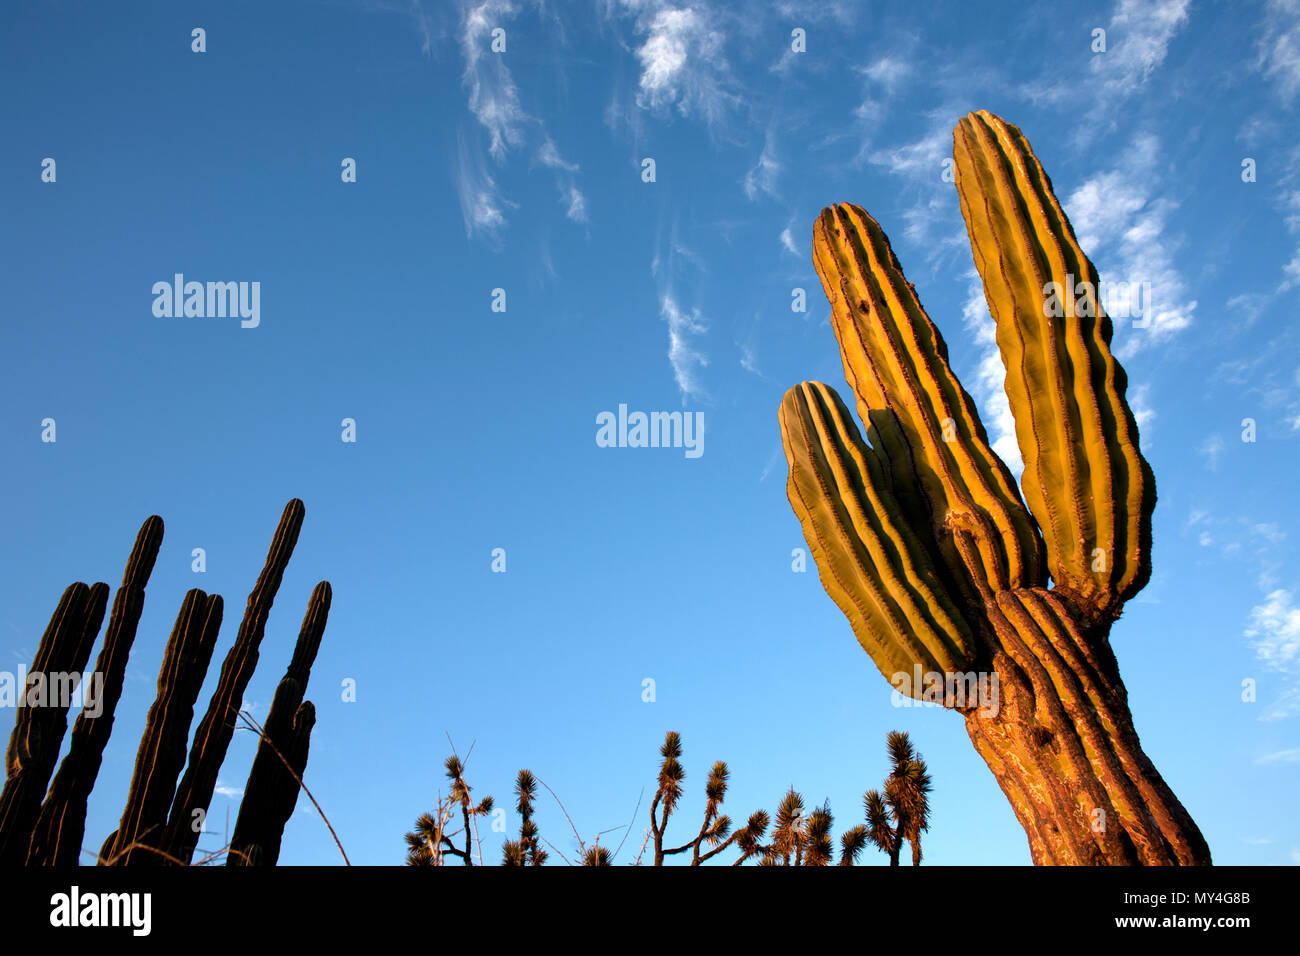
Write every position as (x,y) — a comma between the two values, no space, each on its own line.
(924,543)
(1085,480)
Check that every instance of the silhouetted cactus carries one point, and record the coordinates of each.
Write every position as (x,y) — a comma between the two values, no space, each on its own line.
(57,836)
(272,789)
(212,737)
(52,832)
(161,756)
(922,540)
(40,724)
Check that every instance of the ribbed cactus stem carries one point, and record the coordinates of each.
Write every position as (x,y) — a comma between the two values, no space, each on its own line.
(61,825)
(896,360)
(212,737)
(871,562)
(42,716)
(271,791)
(161,755)
(1085,480)
(1063,748)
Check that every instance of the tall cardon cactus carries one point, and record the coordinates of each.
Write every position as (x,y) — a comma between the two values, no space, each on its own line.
(922,540)
(162,819)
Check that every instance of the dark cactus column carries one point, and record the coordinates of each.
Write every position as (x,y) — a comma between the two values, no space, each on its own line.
(161,756)
(272,789)
(212,738)
(61,824)
(42,719)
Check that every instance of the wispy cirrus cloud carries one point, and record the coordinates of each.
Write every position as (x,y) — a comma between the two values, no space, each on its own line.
(494,101)
(1279,47)
(686,324)
(788,243)
(570,195)
(1280,756)
(1138,36)
(682,59)
(1274,634)
(683,354)
(225,790)
(482,205)
(1138,40)
(762,177)
(493,95)
(1123,226)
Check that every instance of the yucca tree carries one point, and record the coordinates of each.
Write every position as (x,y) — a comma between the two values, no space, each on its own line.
(749,838)
(525,851)
(715,831)
(880,825)
(788,832)
(817,836)
(424,844)
(430,841)
(852,843)
(597,855)
(902,812)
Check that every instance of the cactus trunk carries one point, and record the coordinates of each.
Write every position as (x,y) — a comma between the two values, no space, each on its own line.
(1063,748)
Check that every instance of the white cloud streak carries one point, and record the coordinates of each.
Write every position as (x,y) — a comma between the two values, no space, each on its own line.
(1274,634)
(684,356)
(1123,227)
(682,60)
(1279,47)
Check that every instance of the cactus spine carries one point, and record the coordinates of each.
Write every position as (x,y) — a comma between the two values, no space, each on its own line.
(922,540)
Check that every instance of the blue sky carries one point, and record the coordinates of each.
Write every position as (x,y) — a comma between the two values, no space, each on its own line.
(475,429)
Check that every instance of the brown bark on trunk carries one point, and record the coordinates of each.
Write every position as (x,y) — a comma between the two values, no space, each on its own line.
(1062,745)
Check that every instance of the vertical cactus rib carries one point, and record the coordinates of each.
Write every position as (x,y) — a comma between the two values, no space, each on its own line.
(895,358)
(212,738)
(161,755)
(61,824)
(875,567)
(271,791)
(1085,480)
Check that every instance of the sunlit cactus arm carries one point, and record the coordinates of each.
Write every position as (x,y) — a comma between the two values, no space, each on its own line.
(896,360)
(1085,479)
(872,563)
